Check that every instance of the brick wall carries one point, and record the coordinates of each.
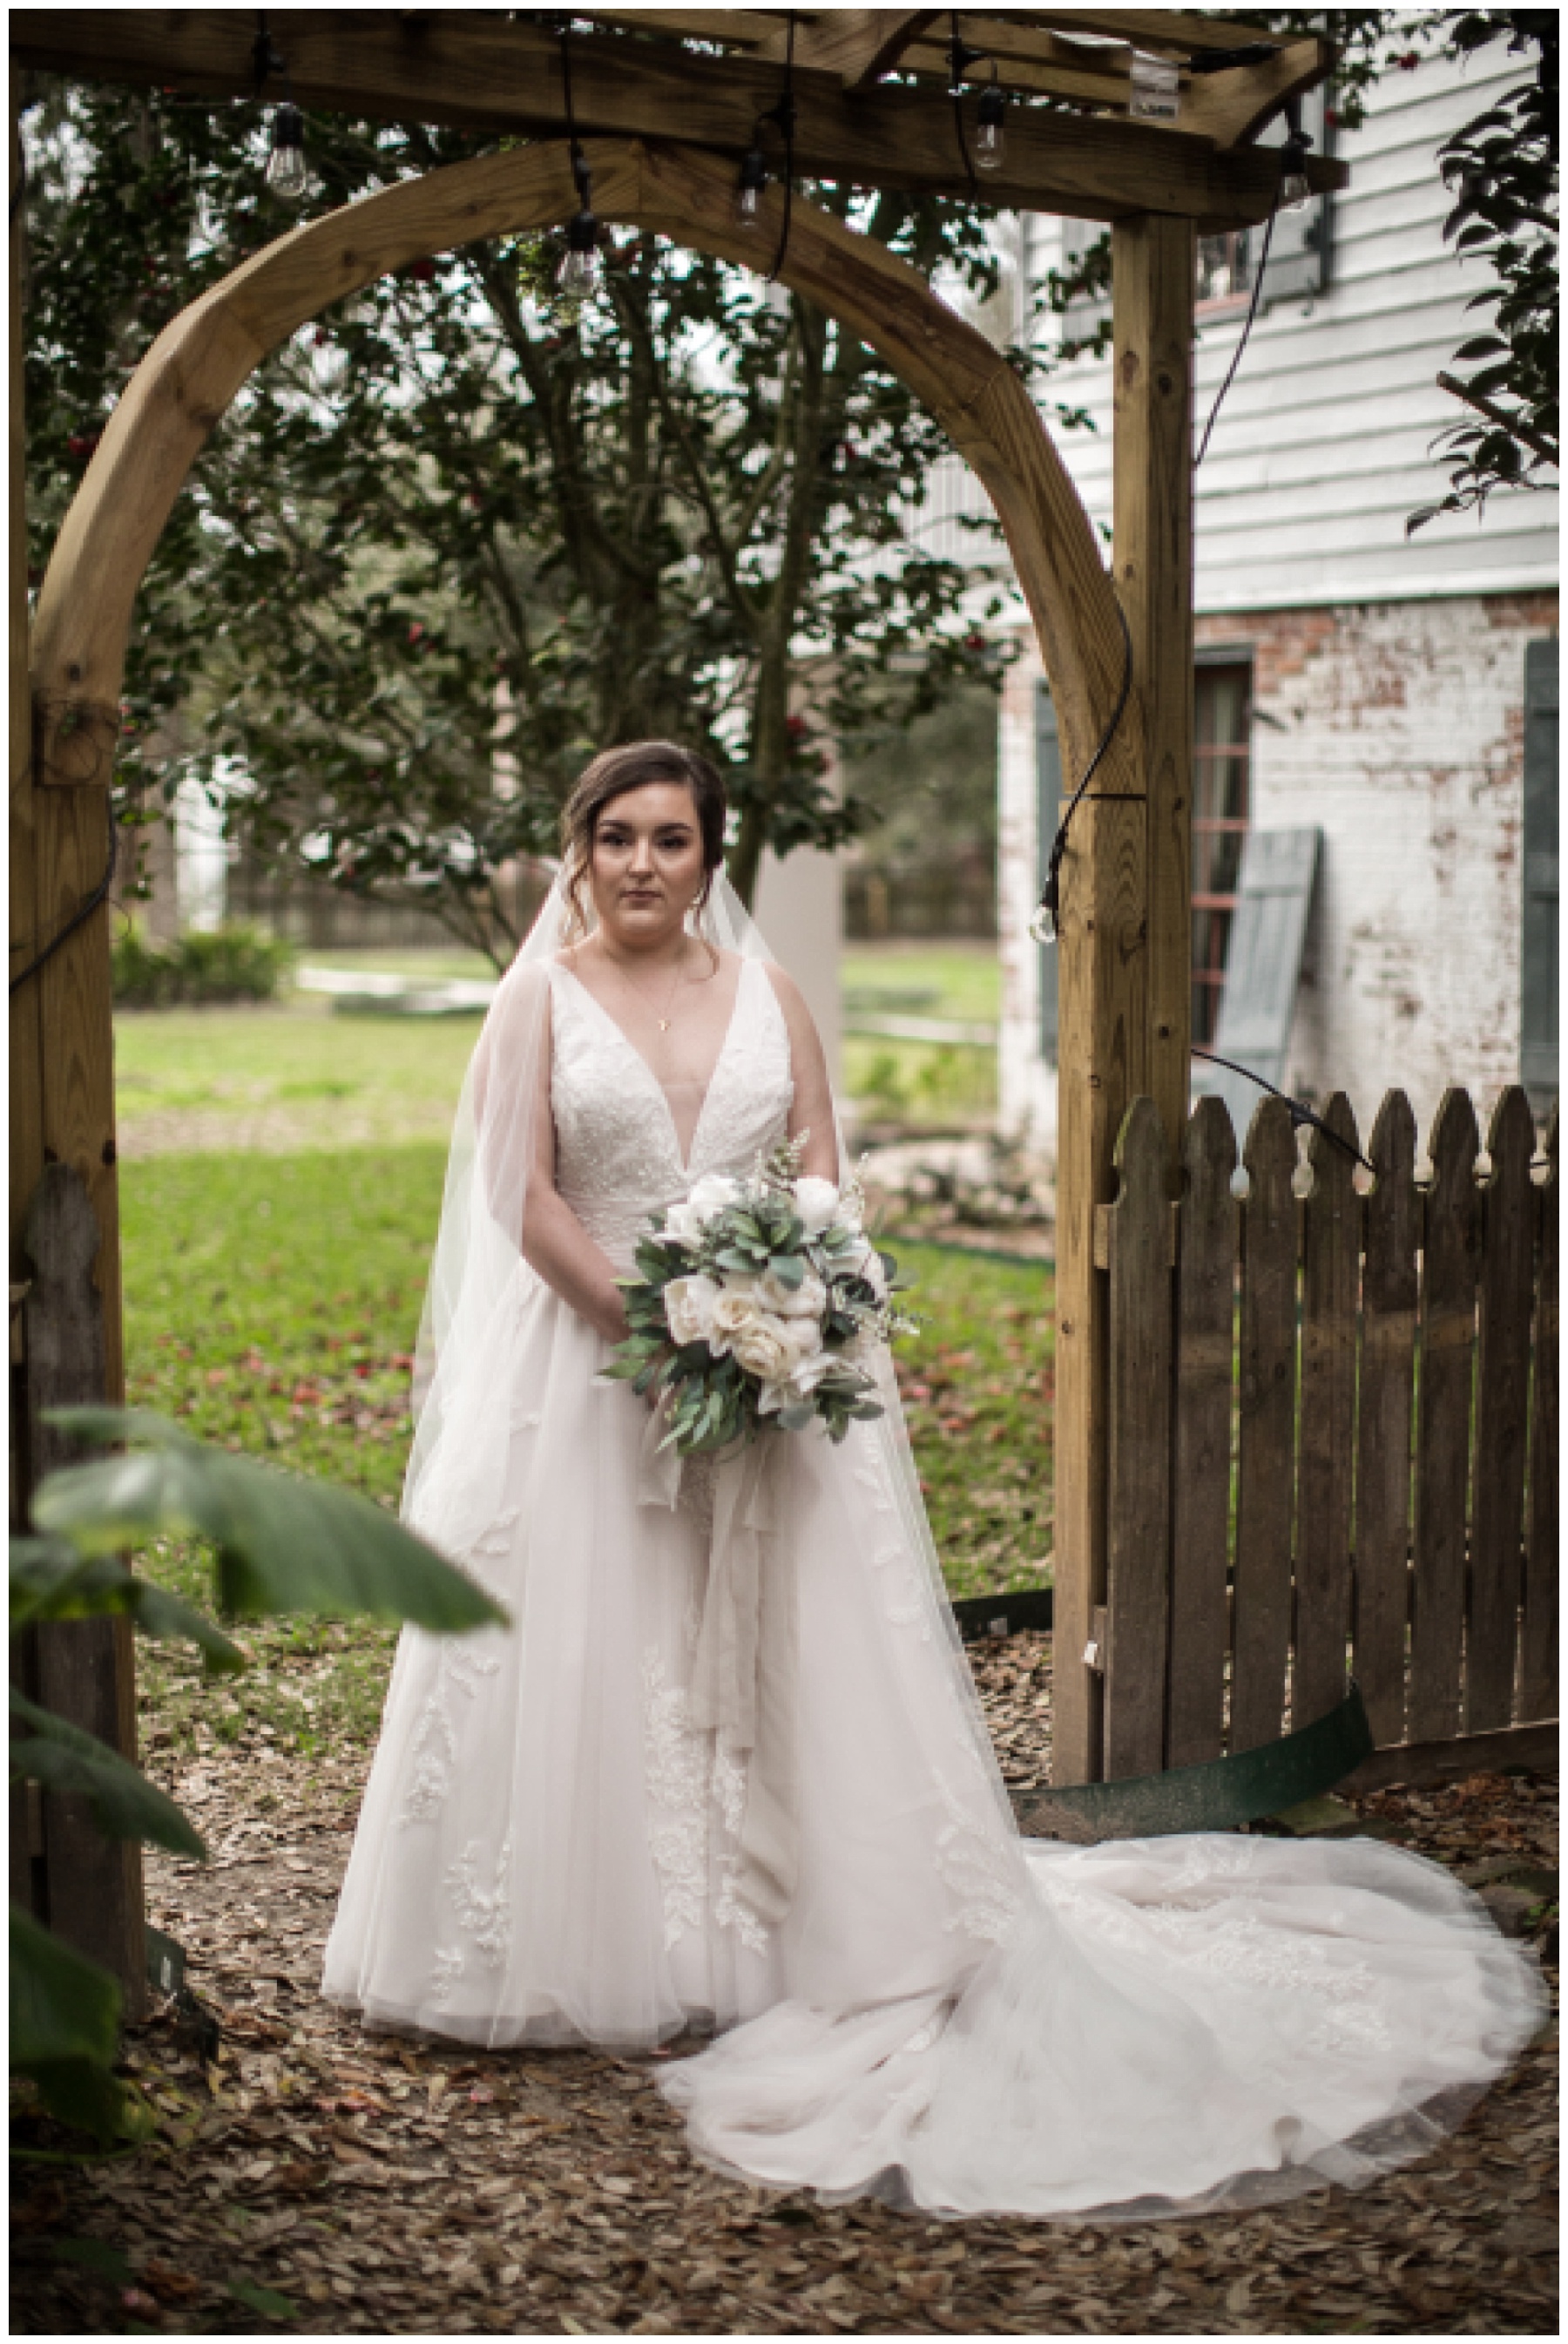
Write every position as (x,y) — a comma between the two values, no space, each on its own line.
(1397,729)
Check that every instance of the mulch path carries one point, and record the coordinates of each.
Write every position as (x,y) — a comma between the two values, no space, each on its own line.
(320,2180)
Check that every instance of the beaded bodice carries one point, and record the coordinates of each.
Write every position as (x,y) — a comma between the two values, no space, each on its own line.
(618,1158)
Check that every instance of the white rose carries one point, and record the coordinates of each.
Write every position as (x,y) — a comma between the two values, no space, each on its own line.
(681,1223)
(736,1309)
(712,1195)
(816,1201)
(803,1340)
(763,1348)
(806,1301)
(688,1305)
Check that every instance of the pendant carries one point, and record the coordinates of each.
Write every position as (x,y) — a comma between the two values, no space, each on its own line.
(664,1024)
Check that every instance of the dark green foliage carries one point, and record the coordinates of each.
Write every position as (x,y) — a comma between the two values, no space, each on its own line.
(281,1544)
(1502,168)
(227,964)
(452,519)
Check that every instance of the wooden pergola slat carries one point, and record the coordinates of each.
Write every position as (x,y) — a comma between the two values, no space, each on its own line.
(482,73)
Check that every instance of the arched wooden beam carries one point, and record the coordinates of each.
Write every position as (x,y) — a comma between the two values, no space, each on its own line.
(188,379)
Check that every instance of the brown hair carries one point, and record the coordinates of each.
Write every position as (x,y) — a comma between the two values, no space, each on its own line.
(612,773)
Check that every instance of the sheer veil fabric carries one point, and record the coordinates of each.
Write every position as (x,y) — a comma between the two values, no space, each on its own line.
(553,1846)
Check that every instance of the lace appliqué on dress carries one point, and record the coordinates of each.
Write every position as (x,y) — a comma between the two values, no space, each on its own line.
(980,1869)
(699,1790)
(433,1751)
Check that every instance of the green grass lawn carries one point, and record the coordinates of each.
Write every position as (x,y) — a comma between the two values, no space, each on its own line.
(271,1305)
(934,980)
(283,1079)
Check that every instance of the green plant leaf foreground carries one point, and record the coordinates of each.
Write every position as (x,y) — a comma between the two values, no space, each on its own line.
(284,1544)
(67,1761)
(50,1579)
(65,2026)
(271,1306)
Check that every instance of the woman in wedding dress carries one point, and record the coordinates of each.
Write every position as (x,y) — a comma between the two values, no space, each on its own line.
(585,1828)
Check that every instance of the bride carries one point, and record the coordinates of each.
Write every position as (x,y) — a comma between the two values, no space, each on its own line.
(565,1839)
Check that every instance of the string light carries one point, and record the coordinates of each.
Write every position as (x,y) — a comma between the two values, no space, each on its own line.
(287,175)
(1294,190)
(991,134)
(288,171)
(580,270)
(749,191)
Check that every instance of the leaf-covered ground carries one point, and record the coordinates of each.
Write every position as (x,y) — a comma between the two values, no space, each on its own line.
(316,2179)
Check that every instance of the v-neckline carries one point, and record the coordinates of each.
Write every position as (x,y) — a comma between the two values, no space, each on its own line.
(687,1161)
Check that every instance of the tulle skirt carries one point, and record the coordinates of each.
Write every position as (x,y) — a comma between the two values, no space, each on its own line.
(943,2017)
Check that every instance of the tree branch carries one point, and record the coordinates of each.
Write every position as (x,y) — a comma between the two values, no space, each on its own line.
(1514,425)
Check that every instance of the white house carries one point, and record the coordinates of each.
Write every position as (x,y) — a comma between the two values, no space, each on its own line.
(1384,690)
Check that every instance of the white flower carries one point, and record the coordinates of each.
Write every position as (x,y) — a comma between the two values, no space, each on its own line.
(712,1195)
(688,1304)
(806,1301)
(735,1309)
(763,1348)
(816,1201)
(681,1224)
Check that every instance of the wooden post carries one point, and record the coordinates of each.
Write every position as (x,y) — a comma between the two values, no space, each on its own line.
(1155,262)
(1124,1020)
(61,1116)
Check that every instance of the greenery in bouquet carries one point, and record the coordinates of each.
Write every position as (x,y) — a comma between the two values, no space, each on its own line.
(759,1303)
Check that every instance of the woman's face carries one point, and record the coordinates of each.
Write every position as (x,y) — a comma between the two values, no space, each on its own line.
(646,870)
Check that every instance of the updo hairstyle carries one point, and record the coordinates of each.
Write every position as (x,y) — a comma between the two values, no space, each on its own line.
(612,773)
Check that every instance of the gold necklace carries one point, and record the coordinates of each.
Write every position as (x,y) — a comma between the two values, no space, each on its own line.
(664,1022)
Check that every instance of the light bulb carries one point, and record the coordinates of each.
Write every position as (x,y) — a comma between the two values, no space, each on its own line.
(1294,189)
(580,270)
(1042,928)
(749,191)
(288,172)
(990,134)
(577,273)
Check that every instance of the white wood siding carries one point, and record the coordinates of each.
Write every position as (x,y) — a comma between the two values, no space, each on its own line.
(1321,451)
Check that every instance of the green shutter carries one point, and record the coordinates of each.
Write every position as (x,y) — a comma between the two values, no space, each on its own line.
(1538,942)
(1048,814)
(1262,968)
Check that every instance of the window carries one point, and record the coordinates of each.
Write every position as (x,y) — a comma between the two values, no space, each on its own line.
(1221,801)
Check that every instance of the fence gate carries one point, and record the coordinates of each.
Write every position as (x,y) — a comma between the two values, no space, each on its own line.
(1332,1422)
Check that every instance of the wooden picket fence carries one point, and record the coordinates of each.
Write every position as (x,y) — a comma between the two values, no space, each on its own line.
(1332,1437)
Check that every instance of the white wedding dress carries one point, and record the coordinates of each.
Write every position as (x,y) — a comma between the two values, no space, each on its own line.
(551,1847)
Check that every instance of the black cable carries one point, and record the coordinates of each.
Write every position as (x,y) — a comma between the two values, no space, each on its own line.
(958,56)
(83,910)
(1050,897)
(783,114)
(1246,330)
(1299,1113)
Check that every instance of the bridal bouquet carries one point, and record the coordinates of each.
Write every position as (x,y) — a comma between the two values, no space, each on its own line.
(759,1302)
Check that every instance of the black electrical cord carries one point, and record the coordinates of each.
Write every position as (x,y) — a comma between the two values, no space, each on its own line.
(783,114)
(1050,897)
(83,910)
(1299,1113)
(1246,330)
(958,56)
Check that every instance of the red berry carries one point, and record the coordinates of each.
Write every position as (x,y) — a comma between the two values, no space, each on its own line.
(422,269)
(415,632)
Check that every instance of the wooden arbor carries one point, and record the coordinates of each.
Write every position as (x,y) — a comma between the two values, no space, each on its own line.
(1125,890)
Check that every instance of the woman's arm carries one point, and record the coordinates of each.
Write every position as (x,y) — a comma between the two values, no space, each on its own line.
(812,1108)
